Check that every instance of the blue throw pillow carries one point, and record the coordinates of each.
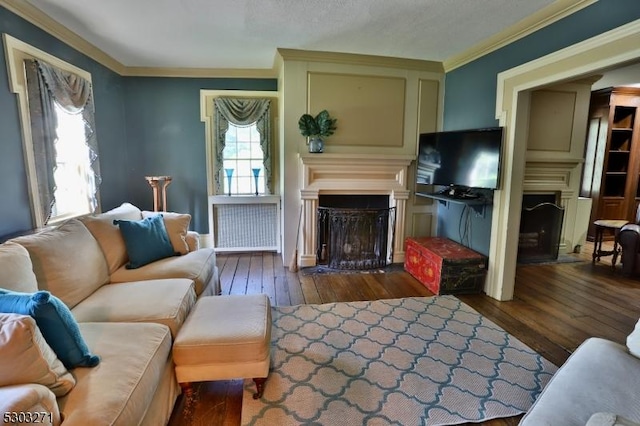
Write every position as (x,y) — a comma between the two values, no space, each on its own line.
(146,240)
(56,323)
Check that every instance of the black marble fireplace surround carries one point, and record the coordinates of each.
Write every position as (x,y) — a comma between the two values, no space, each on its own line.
(355,231)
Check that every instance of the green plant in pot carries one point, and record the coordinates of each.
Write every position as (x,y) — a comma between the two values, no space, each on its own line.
(316,128)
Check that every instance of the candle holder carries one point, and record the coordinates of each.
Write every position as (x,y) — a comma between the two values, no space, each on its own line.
(256,174)
(229,173)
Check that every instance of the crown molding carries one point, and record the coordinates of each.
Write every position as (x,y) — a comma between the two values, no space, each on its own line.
(200,72)
(532,23)
(36,17)
(357,59)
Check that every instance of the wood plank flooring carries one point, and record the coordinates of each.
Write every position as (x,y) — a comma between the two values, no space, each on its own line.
(555,308)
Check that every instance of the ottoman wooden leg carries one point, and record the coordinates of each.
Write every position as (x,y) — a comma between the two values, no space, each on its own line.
(259,387)
(187,389)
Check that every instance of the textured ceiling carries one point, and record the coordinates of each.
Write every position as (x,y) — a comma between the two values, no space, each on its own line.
(246,33)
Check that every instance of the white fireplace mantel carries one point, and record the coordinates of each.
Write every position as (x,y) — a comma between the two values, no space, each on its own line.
(351,174)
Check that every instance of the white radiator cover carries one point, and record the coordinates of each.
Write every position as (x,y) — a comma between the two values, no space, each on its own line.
(245,223)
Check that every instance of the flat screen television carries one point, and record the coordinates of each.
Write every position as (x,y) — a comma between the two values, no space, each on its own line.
(460,158)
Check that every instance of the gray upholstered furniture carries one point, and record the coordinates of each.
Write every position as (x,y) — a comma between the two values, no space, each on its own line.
(599,377)
(629,239)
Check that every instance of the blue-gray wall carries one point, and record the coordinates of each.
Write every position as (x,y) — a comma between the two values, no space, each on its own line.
(145,126)
(470,91)
(166,137)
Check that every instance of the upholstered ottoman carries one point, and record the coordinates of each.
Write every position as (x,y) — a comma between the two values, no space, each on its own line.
(225,337)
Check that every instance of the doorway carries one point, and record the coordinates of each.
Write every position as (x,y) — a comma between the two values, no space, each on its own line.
(615,48)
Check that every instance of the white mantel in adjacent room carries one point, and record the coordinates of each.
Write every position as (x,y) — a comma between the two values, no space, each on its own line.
(351,174)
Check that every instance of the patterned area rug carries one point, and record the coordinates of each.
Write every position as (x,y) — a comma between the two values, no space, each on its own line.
(412,361)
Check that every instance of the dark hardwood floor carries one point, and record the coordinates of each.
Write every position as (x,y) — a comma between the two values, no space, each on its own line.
(555,308)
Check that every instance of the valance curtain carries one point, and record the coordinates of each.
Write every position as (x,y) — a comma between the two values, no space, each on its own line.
(47,84)
(242,112)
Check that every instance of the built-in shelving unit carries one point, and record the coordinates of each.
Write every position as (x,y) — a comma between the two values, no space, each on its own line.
(612,173)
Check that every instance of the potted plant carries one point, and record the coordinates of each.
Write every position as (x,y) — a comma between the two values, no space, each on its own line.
(316,128)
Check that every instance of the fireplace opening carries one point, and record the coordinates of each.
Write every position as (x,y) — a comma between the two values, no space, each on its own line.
(540,228)
(355,231)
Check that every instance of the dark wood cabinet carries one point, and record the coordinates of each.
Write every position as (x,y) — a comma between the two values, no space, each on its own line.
(612,155)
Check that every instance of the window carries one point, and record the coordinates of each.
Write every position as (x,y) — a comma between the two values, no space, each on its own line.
(242,160)
(242,146)
(73,174)
(58,126)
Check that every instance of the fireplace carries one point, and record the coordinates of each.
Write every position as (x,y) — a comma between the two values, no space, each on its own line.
(351,178)
(540,228)
(355,231)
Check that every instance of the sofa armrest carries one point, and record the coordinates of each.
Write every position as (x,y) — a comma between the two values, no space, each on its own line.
(631,228)
(18,400)
(629,239)
(193,240)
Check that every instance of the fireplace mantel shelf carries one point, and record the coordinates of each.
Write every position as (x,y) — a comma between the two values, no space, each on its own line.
(308,158)
(350,156)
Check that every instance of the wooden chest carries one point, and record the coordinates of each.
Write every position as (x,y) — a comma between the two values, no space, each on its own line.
(444,266)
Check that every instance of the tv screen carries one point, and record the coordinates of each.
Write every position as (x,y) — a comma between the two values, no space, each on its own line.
(465,158)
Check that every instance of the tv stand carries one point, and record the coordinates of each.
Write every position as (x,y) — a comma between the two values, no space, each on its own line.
(476,202)
(457,191)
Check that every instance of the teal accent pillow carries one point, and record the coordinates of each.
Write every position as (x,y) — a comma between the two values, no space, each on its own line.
(56,323)
(146,240)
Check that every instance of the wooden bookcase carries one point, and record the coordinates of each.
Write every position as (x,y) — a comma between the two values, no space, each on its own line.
(612,155)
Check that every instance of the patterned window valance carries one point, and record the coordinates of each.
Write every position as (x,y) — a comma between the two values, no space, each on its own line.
(242,112)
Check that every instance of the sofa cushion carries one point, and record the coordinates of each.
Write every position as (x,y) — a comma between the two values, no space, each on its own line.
(199,266)
(633,341)
(56,323)
(165,302)
(108,235)
(30,397)
(146,240)
(600,376)
(27,358)
(177,225)
(67,261)
(17,271)
(119,391)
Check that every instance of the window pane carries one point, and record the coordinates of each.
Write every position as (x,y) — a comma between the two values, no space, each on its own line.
(73,168)
(244,150)
(242,153)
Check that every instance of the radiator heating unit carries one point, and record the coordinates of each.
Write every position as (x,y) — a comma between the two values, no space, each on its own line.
(245,223)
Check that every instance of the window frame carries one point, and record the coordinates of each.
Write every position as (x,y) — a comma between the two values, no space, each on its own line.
(16,51)
(207,117)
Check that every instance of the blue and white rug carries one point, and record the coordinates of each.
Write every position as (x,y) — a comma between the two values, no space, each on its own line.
(412,361)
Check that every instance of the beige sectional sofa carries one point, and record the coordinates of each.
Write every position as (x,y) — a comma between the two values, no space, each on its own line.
(128,317)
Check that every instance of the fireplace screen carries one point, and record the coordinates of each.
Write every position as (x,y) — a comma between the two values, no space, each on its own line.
(355,238)
(540,228)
